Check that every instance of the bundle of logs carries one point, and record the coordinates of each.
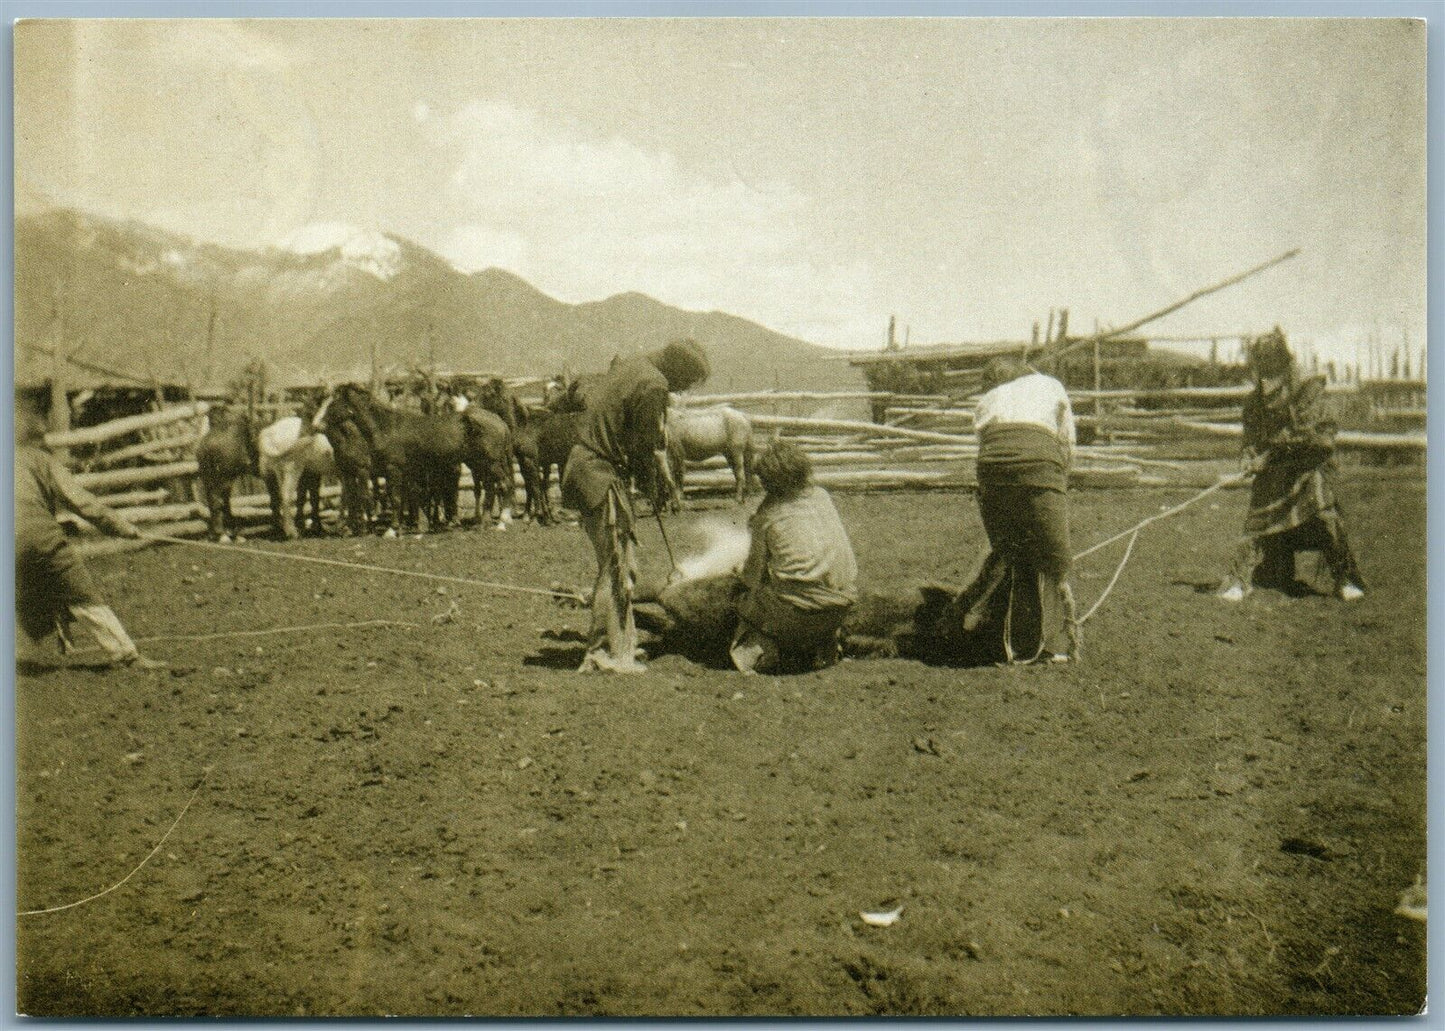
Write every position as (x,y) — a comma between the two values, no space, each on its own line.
(144,465)
(1181,437)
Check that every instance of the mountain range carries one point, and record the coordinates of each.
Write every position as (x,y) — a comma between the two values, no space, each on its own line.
(131,301)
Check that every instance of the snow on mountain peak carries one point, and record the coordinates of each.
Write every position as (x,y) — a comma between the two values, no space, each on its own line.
(364,249)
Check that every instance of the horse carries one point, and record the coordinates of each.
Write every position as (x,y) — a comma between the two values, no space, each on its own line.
(546,440)
(487,451)
(496,397)
(354,461)
(562,395)
(419,456)
(293,454)
(695,434)
(226,452)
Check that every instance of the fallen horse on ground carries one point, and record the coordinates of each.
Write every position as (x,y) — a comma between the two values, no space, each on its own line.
(697,619)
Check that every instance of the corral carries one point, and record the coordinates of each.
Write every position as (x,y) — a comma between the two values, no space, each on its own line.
(1216,812)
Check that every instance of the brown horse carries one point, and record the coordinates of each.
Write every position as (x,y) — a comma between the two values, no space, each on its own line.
(418,455)
(546,440)
(487,452)
(225,453)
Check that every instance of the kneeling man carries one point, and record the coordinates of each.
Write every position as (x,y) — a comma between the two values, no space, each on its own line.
(800,577)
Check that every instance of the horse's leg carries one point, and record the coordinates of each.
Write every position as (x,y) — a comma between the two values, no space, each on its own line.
(315,495)
(531,479)
(215,512)
(228,521)
(273,493)
(508,486)
(451,488)
(546,492)
(503,490)
(290,481)
(345,506)
(303,485)
(398,492)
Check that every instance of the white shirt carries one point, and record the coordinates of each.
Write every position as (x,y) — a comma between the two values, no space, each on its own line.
(1035,399)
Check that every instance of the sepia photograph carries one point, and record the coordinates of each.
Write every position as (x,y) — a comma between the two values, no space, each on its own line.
(720,516)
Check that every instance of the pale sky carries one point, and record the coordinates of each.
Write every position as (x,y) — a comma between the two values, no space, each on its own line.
(815,175)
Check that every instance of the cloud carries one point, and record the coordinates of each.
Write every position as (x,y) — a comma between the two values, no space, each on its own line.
(584,218)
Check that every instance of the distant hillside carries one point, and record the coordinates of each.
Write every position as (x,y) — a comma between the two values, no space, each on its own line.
(148,303)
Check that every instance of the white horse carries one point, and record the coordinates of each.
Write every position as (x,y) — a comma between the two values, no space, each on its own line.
(696,434)
(291,451)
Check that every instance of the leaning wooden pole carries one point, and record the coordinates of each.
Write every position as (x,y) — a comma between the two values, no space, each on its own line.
(1137,323)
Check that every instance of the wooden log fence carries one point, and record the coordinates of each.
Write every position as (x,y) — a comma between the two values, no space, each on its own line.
(146,447)
(936,451)
(1345,438)
(127,477)
(130,424)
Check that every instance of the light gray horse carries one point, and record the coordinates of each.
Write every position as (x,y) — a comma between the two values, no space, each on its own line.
(696,434)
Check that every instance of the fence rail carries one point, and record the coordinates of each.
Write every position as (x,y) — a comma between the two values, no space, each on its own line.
(937,449)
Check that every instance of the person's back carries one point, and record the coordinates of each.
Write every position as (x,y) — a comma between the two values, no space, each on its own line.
(810,559)
(42,488)
(627,406)
(622,436)
(800,578)
(35,494)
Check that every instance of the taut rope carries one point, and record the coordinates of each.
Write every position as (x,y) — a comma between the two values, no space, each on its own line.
(1133,534)
(465,581)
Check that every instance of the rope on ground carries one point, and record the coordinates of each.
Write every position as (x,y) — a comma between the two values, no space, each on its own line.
(143,862)
(1133,534)
(278,630)
(219,634)
(466,581)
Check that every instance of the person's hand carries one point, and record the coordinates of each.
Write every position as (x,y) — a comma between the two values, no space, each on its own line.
(128,530)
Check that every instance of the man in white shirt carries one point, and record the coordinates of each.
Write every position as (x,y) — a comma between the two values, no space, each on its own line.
(1026,440)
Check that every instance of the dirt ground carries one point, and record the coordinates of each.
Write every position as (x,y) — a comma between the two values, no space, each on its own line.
(1214,813)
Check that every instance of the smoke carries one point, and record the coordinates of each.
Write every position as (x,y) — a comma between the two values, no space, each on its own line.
(725,551)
